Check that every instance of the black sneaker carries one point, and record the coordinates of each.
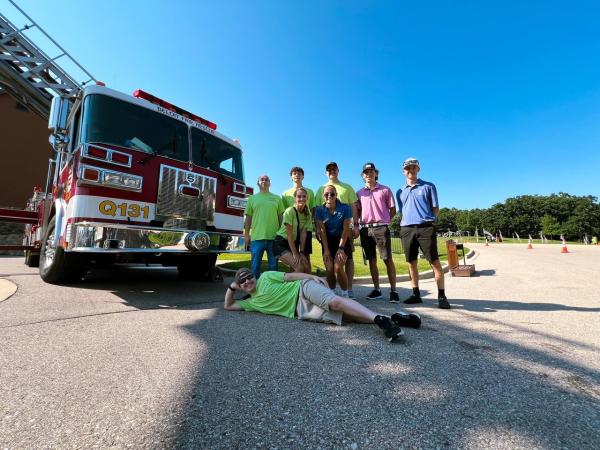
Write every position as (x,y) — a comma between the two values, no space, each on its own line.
(394,297)
(443,303)
(412,300)
(390,329)
(374,295)
(411,320)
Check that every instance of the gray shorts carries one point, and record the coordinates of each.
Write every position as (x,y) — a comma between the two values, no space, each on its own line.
(313,303)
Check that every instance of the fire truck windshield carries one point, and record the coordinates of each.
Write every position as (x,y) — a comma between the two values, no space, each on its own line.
(110,121)
(215,154)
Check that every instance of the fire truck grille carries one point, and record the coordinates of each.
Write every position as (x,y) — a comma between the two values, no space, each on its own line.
(185,199)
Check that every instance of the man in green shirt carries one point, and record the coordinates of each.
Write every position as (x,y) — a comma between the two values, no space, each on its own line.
(307,297)
(347,195)
(297,175)
(262,220)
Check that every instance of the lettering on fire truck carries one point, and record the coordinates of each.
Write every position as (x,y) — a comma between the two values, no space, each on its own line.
(110,208)
(124,209)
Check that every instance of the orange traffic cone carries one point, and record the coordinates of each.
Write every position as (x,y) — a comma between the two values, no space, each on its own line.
(529,246)
(564,247)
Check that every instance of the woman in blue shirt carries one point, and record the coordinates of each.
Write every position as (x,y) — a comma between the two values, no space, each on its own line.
(333,222)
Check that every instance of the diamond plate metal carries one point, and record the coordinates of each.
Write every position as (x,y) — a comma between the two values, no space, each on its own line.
(176,209)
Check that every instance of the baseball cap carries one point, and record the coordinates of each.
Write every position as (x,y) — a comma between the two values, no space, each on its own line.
(243,274)
(331,164)
(369,166)
(410,162)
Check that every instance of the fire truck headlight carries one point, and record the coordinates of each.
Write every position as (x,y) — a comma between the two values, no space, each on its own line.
(236,202)
(122,180)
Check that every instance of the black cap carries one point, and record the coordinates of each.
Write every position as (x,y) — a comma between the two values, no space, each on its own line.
(243,274)
(331,164)
(369,166)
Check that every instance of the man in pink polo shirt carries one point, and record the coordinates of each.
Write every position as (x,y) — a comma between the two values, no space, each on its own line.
(376,207)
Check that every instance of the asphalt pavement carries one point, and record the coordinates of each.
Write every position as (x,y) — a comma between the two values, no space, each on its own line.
(137,358)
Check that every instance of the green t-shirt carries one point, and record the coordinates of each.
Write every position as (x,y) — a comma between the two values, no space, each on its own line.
(264,209)
(273,295)
(288,198)
(289,217)
(345,193)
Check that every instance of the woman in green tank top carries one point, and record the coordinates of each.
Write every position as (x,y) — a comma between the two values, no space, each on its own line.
(290,240)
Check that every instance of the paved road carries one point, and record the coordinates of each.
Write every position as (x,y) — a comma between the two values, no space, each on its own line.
(137,358)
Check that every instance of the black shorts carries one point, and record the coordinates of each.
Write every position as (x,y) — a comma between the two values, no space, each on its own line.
(376,237)
(423,236)
(308,244)
(333,243)
(280,246)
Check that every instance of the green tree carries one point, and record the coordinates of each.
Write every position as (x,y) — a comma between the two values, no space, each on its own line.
(551,226)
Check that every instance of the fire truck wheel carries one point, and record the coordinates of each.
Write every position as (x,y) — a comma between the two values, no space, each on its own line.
(197,268)
(57,266)
(32,259)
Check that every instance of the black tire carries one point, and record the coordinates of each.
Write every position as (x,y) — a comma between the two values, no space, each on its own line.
(197,267)
(32,259)
(57,266)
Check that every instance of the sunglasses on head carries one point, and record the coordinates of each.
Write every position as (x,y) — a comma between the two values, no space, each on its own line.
(329,194)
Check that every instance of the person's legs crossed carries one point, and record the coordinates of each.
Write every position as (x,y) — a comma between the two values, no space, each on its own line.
(324,298)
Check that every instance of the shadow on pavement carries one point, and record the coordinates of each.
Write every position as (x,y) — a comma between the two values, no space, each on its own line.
(270,382)
(152,287)
(513,305)
(484,273)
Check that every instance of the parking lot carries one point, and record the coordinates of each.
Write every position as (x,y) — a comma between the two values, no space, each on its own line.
(138,358)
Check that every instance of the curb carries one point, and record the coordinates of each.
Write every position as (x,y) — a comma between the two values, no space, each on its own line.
(399,278)
(7,289)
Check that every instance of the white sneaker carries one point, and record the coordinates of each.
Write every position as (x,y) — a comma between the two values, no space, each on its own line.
(344,294)
(350,293)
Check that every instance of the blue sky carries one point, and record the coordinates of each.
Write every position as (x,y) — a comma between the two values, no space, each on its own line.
(495,99)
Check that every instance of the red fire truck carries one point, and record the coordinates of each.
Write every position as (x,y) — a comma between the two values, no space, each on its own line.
(133,179)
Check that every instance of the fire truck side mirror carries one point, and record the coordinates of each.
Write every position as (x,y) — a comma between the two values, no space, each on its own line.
(59,114)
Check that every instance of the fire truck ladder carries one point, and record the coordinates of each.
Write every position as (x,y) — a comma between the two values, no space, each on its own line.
(33,78)
(30,75)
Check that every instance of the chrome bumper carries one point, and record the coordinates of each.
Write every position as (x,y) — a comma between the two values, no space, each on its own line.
(117,238)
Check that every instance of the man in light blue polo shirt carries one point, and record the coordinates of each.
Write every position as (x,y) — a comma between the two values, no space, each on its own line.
(419,205)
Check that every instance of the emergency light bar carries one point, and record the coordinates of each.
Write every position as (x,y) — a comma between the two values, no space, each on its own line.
(157,101)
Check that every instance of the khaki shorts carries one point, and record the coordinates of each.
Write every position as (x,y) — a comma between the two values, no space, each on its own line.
(313,303)
(372,237)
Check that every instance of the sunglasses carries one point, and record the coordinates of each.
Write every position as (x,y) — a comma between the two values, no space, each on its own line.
(329,194)
(263,179)
(244,280)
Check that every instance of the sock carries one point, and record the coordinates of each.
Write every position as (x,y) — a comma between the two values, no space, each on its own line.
(441,293)
(416,292)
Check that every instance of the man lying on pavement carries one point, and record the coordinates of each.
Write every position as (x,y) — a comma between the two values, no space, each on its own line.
(307,297)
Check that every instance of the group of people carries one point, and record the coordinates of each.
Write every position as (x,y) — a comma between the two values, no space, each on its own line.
(283,226)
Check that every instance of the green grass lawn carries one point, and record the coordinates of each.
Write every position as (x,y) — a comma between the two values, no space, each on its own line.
(360,269)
